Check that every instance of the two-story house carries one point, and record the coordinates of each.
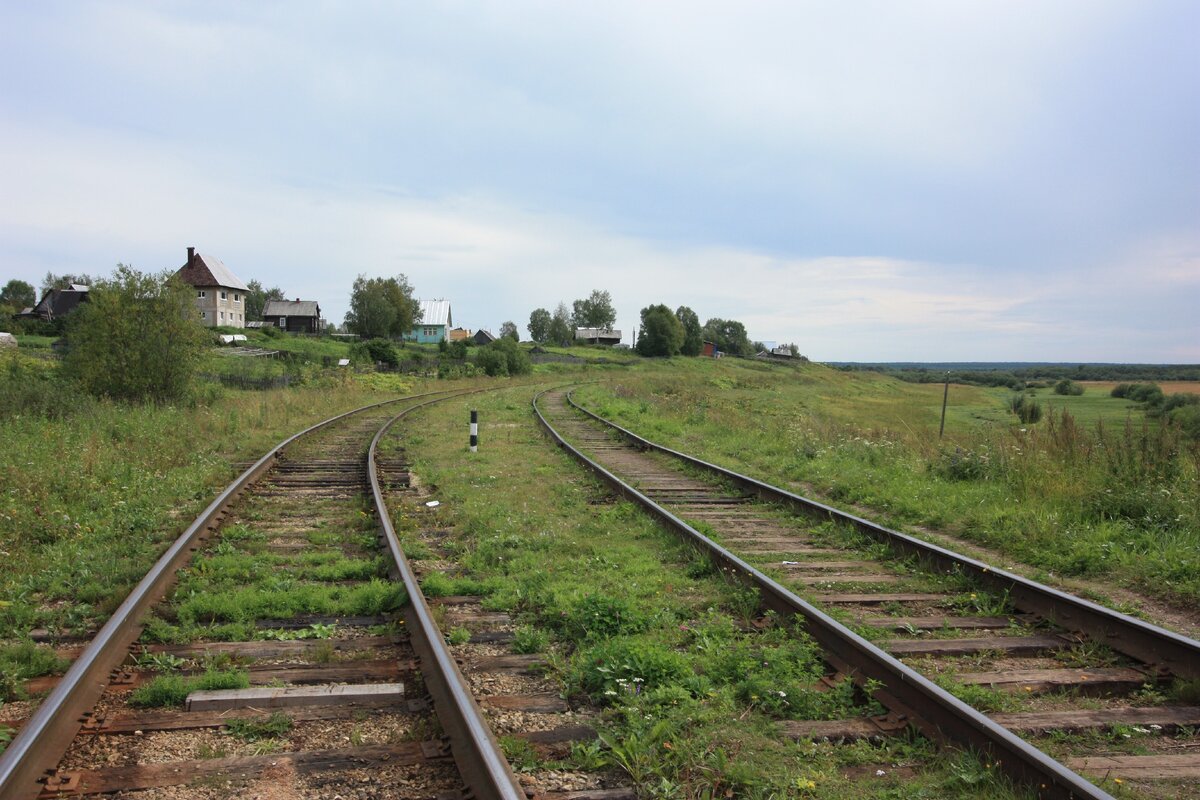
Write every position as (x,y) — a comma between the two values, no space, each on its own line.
(220,295)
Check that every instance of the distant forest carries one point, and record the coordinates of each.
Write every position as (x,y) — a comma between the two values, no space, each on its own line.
(1017,374)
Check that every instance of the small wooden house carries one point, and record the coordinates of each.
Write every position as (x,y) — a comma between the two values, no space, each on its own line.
(293,316)
(598,336)
(57,303)
(435,322)
(482,337)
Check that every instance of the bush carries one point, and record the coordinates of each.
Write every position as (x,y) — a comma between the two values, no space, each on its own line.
(1149,393)
(1027,409)
(503,357)
(375,351)
(136,338)
(1188,419)
(1068,387)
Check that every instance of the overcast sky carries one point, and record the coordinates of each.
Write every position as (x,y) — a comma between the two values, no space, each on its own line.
(870,180)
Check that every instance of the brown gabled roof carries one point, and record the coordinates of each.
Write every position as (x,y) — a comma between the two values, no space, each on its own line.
(201,270)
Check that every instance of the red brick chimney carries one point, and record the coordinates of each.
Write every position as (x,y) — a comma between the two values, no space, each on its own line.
(191,256)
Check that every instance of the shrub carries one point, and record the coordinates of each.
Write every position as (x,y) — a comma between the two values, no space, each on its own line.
(1187,418)
(1027,409)
(503,357)
(375,351)
(1068,387)
(137,338)
(1149,393)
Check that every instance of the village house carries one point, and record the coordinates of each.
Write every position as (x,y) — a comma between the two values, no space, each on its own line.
(598,336)
(57,303)
(483,337)
(435,322)
(293,316)
(460,334)
(220,295)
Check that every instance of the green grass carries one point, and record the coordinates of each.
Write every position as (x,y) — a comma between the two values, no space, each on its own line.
(629,621)
(173,689)
(1091,499)
(89,499)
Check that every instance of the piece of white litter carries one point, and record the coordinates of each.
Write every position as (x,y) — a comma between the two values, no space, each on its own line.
(880,773)
(790,563)
(432,504)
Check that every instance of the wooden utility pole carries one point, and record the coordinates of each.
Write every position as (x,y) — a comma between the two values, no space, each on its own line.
(945,397)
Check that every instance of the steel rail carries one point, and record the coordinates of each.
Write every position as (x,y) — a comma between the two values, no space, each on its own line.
(908,695)
(476,753)
(40,744)
(1165,653)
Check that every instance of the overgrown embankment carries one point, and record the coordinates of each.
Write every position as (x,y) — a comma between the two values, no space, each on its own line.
(1118,498)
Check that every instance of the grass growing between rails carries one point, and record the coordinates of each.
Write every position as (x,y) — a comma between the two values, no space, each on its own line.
(1119,498)
(632,621)
(93,491)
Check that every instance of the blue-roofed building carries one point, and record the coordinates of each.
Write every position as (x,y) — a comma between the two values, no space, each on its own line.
(435,323)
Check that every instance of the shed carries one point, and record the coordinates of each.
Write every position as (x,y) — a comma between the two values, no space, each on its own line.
(295,316)
(710,350)
(483,337)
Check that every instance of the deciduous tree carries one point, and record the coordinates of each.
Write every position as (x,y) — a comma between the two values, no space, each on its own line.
(594,311)
(382,307)
(728,335)
(508,330)
(561,333)
(52,281)
(693,341)
(17,295)
(539,325)
(137,338)
(257,297)
(661,333)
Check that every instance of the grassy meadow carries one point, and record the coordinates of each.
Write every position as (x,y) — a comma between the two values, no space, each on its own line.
(1097,491)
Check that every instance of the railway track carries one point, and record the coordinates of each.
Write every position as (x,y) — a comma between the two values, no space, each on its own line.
(281,647)
(921,624)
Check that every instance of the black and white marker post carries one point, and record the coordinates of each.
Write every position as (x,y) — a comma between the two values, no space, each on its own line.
(474,431)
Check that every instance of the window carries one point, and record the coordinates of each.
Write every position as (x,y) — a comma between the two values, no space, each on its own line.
(203,315)
(222,316)
(237,298)
(224,295)
(201,293)
(430,332)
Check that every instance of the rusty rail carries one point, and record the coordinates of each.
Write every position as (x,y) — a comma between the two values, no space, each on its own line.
(43,740)
(1165,652)
(910,697)
(475,750)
